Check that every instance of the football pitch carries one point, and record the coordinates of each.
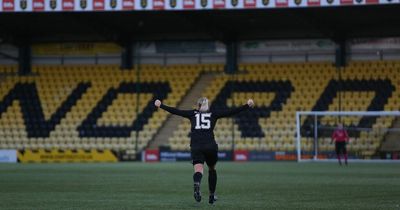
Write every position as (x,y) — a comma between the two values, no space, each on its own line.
(260,185)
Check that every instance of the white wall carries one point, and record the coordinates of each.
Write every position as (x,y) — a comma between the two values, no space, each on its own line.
(249,52)
(286,57)
(99,59)
(181,58)
(6,61)
(9,50)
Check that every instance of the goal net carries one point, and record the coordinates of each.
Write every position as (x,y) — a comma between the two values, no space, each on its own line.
(374,136)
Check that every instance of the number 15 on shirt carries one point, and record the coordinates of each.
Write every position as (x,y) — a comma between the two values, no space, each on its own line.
(203,121)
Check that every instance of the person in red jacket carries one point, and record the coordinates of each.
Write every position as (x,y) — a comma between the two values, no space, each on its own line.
(340,137)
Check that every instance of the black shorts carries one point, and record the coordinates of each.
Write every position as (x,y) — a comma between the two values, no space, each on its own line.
(199,156)
(340,146)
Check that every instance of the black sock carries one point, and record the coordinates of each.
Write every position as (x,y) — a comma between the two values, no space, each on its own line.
(197,177)
(212,181)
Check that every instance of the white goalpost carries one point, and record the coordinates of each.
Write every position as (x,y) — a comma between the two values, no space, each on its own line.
(369,132)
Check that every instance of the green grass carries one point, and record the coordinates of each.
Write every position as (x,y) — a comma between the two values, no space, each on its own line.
(262,185)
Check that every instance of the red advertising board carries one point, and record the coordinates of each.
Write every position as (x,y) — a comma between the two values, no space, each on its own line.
(250,3)
(372,1)
(128,4)
(158,4)
(151,155)
(38,5)
(241,155)
(219,4)
(281,3)
(285,157)
(68,5)
(98,4)
(188,4)
(314,3)
(346,2)
(8,5)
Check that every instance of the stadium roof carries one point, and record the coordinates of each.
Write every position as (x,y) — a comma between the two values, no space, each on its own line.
(331,22)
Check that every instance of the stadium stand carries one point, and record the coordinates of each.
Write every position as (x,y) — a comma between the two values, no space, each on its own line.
(94,106)
(280,90)
(88,107)
(8,69)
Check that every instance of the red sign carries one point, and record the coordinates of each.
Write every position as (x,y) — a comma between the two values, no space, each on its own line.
(372,1)
(281,3)
(346,2)
(158,4)
(98,5)
(38,5)
(8,5)
(219,4)
(188,4)
(241,155)
(151,155)
(249,3)
(68,5)
(128,4)
(314,3)
(285,157)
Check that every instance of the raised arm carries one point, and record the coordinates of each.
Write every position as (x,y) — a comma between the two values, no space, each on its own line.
(234,111)
(182,113)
